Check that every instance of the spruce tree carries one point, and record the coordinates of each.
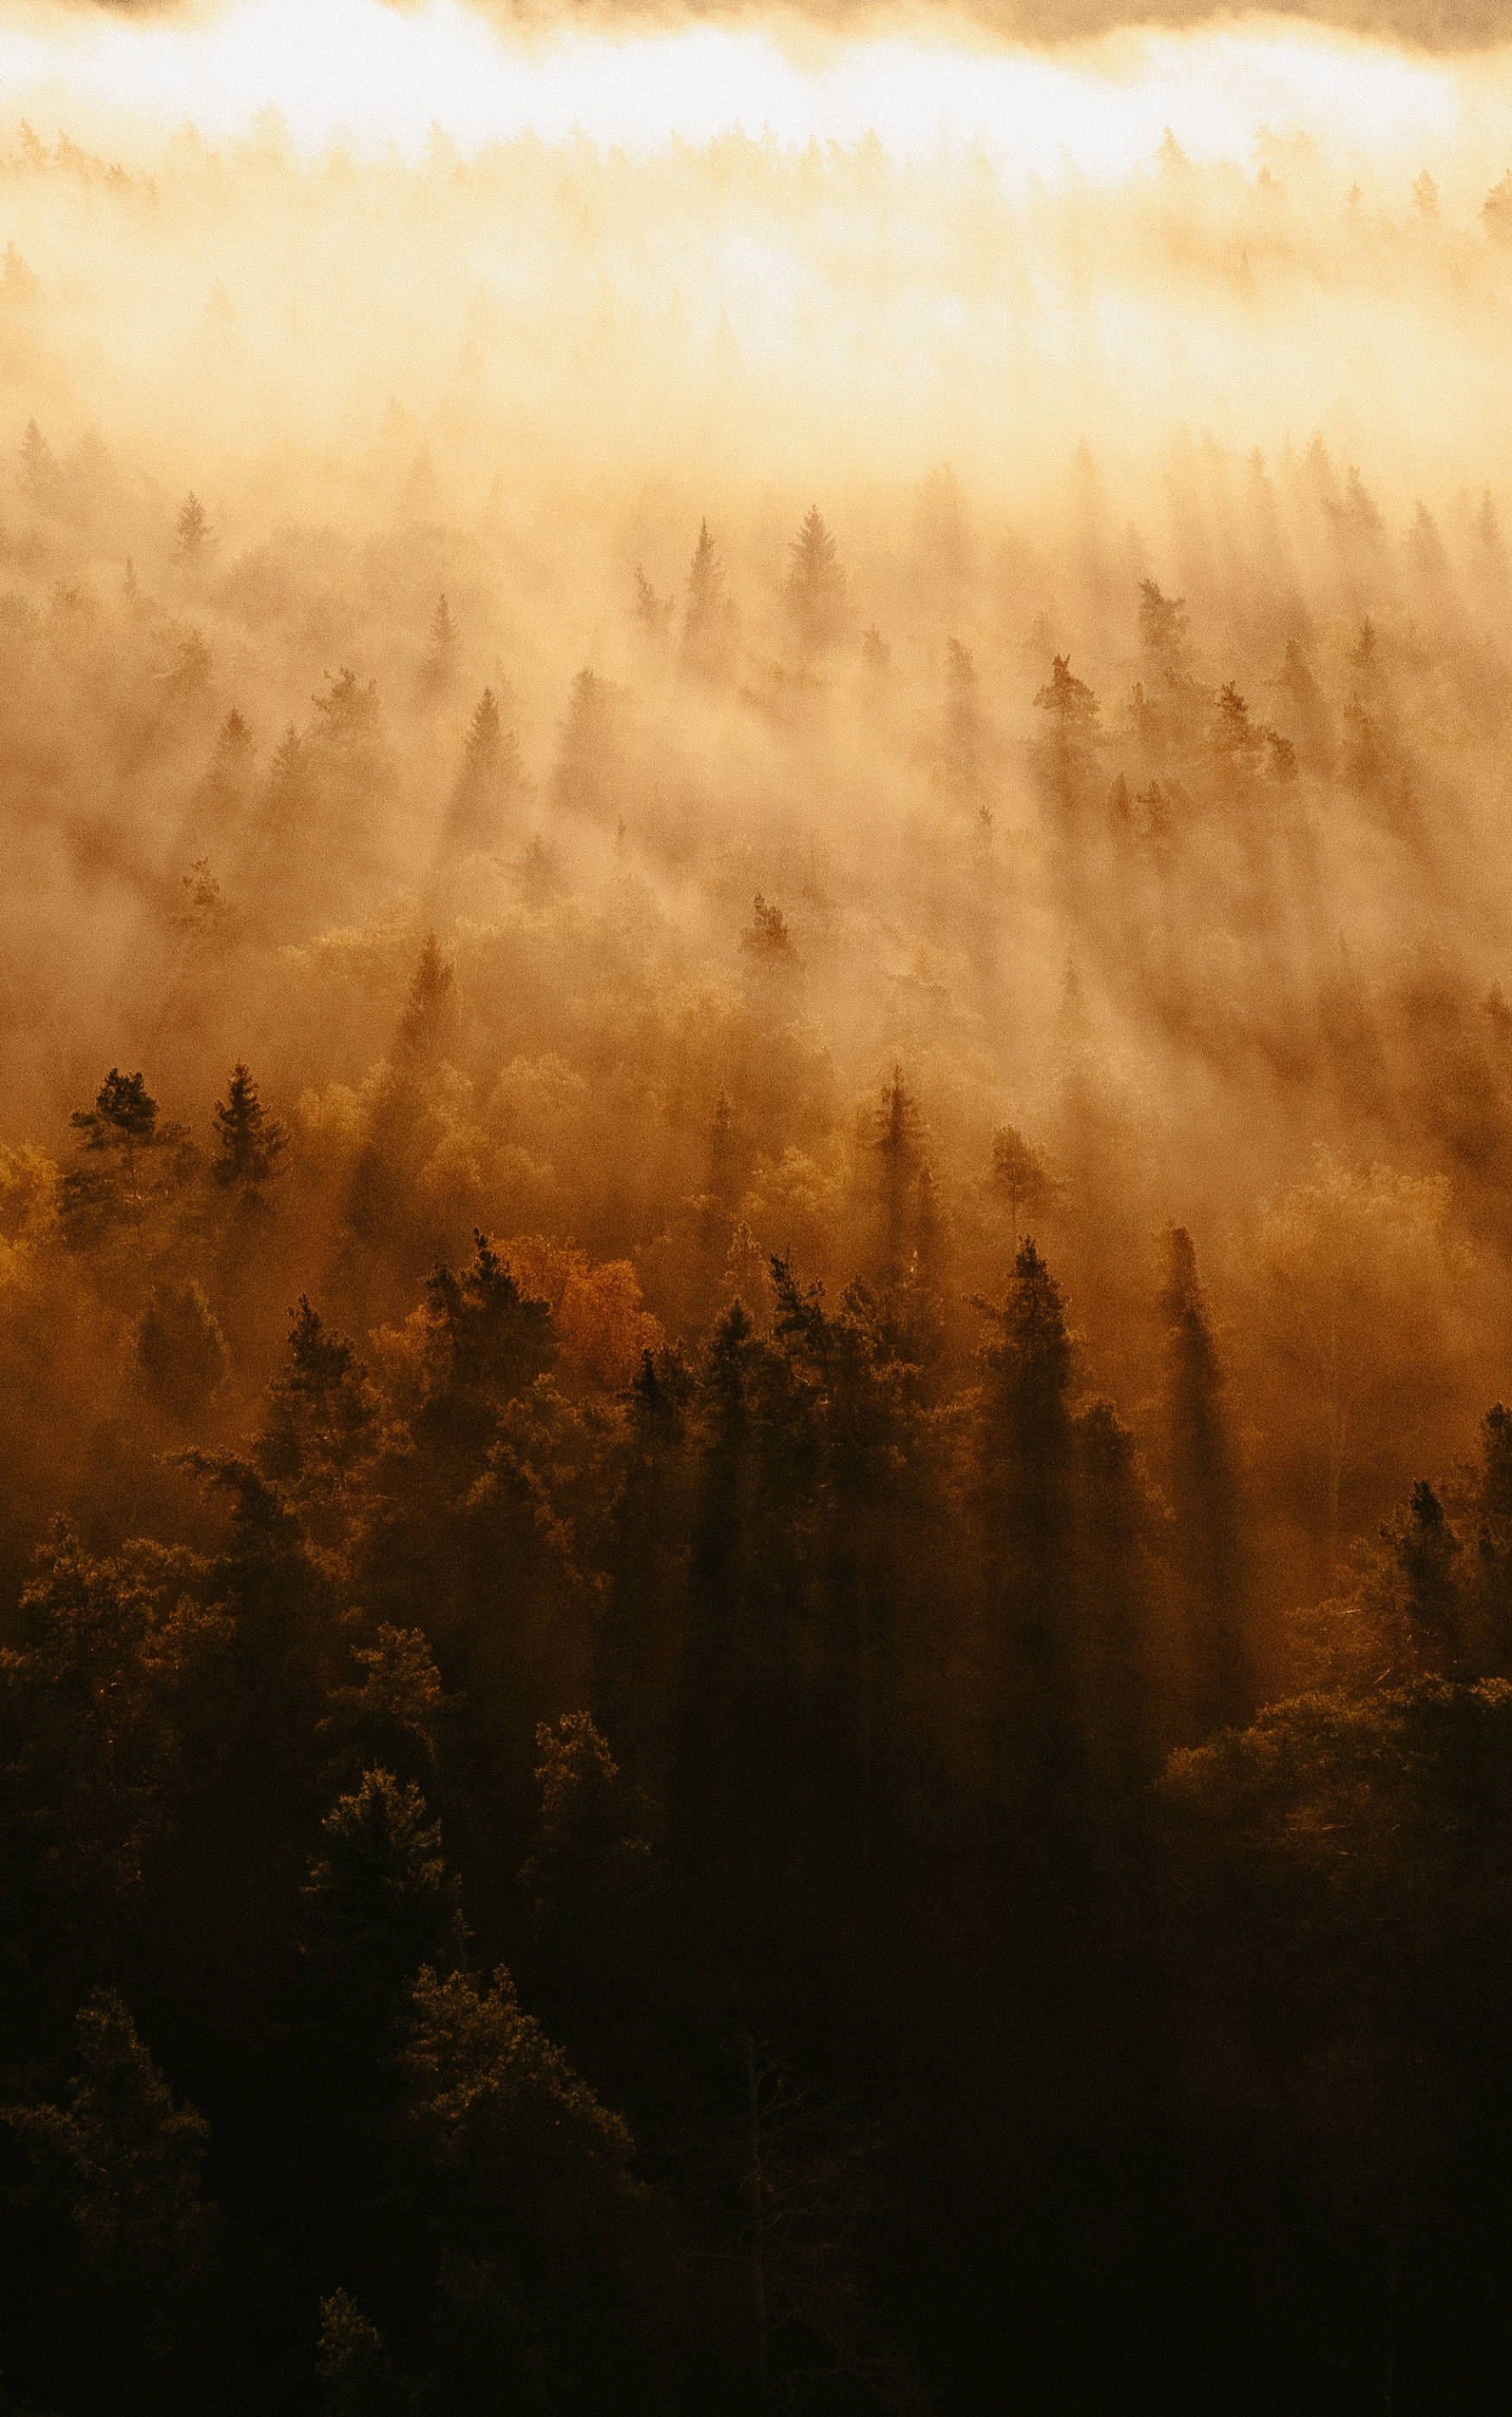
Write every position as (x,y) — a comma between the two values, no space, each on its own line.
(441,652)
(815,588)
(1064,751)
(1024,1504)
(1021,1179)
(1204,1480)
(707,615)
(250,1143)
(192,529)
(897,1142)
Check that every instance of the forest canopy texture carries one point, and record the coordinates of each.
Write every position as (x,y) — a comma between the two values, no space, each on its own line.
(755,1259)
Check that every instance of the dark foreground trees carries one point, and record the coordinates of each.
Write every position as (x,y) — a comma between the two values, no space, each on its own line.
(766,1889)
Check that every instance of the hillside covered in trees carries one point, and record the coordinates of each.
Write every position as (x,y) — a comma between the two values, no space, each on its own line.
(755,1245)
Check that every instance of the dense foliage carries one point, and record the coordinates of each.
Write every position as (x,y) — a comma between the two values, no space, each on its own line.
(755,1572)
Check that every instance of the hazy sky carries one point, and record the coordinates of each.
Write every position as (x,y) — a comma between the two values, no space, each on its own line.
(377,75)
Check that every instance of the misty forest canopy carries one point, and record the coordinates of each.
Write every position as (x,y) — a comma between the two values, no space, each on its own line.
(755,1255)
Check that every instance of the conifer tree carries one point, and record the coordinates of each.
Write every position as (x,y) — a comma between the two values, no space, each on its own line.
(348,710)
(1204,1480)
(231,763)
(815,588)
(1428,1552)
(708,617)
(250,1143)
(896,1141)
(115,2184)
(122,1125)
(192,529)
(321,1423)
(586,776)
(38,475)
(876,654)
(1064,751)
(495,1339)
(429,1006)
(381,1901)
(441,652)
(491,777)
(639,1637)
(652,611)
(1163,629)
(1021,1179)
(766,937)
(1114,1591)
(1489,1621)
(1024,1503)
(181,1350)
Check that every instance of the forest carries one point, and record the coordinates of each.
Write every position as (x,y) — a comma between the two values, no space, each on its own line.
(755,1255)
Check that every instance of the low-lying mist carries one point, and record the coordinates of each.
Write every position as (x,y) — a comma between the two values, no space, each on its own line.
(1216,913)
(755,1228)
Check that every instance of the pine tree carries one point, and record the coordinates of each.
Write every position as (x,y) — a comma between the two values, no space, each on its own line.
(348,710)
(115,2192)
(1022,1178)
(251,1142)
(38,475)
(1237,742)
(653,612)
(1024,1510)
(1114,1520)
(441,653)
(708,617)
(380,1900)
(586,773)
(766,937)
(288,784)
(1163,628)
(1204,1483)
(123,1122)
(429,1006)
(193,529)
(496,1340)
(1489,1637)
(1064,752)
(321,1429)
(815,589)
(492,777)
(1428,1554)
(181,1350)
(898,1141)
(232,763)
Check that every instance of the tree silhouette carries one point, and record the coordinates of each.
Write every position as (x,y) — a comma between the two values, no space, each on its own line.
(708,617)
(192,528)
(441,653)
(1021,1177)
(124,1122)
(815,588)
(250,1143)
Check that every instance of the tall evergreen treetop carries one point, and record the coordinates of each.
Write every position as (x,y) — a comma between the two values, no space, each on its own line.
(815,590)
(251,1142)
(192,528)
(708,617)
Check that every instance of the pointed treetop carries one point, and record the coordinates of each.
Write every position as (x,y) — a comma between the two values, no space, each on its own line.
(193,528)
(251,1142)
